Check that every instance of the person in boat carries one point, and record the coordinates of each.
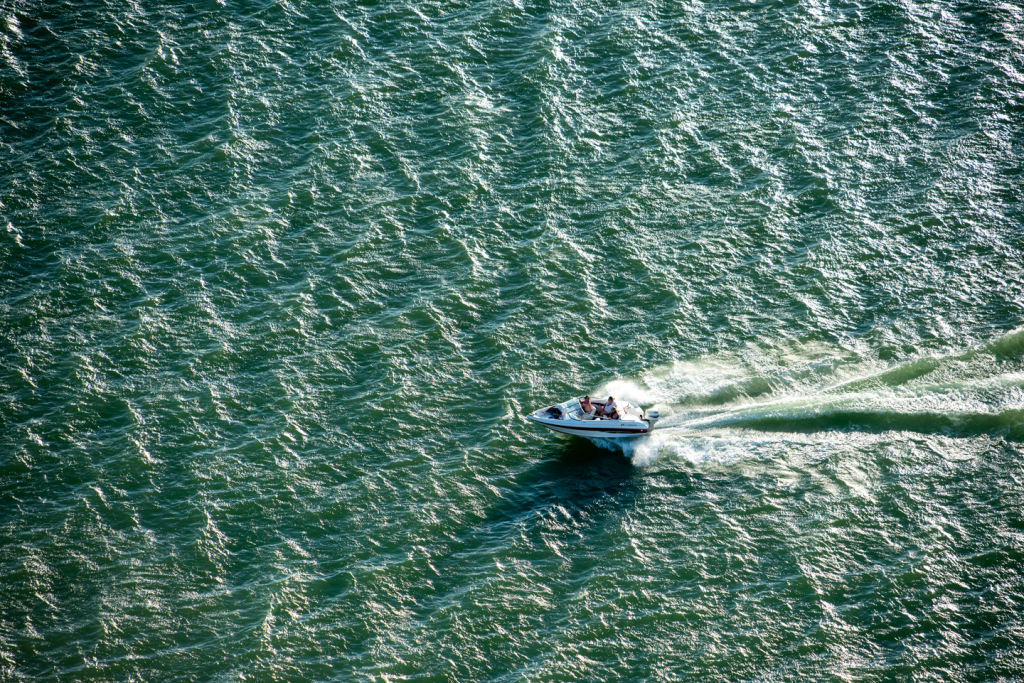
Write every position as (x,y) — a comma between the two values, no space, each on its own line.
(611,408)
(589,410)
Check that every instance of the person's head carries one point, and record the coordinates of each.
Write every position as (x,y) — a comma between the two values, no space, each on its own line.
(611,398)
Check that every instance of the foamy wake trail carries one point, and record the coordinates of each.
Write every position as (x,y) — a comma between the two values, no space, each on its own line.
(720,408)
(630,391)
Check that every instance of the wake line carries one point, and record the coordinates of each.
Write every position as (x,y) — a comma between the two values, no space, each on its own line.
(977,391)
(875,412)
(1007,423)
(1008,347)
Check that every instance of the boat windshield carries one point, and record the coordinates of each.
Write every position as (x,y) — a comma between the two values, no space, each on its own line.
(572,408)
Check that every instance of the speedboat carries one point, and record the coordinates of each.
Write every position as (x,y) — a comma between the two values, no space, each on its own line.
(568,418)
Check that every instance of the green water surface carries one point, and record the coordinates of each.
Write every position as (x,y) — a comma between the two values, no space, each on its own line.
(280,279)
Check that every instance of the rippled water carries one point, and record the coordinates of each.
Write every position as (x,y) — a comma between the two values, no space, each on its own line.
(278,281)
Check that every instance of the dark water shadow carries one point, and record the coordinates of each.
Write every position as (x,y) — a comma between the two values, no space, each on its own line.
(575,483)
(576,476)
(578,486)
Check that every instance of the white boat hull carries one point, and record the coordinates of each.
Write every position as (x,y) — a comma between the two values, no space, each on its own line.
(608,429)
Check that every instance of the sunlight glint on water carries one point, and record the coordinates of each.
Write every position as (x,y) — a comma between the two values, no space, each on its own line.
(281,280)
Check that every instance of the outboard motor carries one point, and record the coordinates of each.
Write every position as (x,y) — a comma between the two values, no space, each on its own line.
(651,416)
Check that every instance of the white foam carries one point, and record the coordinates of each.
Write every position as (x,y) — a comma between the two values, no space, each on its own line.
(695,448)
(705,404)
(627,390)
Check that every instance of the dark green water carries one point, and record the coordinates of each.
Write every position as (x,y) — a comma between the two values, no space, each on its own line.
(279,280)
